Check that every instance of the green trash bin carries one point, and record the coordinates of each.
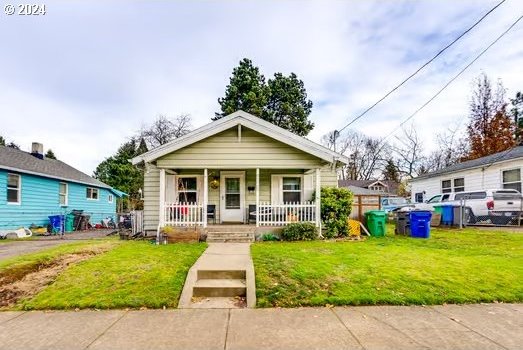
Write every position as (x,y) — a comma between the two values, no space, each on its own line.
(375,220)
(438,209)
(69,220)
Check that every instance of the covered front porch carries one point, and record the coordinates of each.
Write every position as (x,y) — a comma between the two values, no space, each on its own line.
(256,196)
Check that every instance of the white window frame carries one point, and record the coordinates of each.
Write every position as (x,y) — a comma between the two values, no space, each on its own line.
(110,198)
(65,195)
(177,191)
(18,189)
(454,184)
(297,176)
(452,187)
(512,182)
(445,189)
(91,198)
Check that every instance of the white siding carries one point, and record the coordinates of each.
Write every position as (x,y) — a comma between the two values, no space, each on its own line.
(475,179)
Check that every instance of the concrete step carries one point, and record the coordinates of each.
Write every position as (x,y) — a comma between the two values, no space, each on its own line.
(220,288)
(230,240)
(221,274)
(218,303)
(229,234)
(235,228)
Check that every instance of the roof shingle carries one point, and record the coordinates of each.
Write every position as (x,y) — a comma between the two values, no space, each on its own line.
(13,159)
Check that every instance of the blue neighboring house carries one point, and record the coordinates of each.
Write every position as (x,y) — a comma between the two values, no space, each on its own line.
(33,187)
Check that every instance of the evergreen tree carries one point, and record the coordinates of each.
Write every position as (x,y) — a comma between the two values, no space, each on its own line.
(50,154)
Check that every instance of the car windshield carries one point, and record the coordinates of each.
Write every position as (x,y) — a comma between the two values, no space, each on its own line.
(434,199)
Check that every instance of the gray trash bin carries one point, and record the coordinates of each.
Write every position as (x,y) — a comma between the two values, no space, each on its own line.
(465,215)
(402,223)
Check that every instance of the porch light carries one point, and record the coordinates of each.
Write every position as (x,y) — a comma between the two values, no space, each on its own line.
(215,183)
(251,189)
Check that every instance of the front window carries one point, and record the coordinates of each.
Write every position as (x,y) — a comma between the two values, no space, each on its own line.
(62,193)
(459,185)
(13,188)
(292,190)
(110,198)
(446,186)
(187,190)
(512,179)
(418,197)
(92,193)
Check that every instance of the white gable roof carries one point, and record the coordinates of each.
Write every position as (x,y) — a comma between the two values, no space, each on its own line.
(250,121)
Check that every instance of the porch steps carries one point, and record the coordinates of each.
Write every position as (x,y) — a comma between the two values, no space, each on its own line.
(230,234)
(220,283)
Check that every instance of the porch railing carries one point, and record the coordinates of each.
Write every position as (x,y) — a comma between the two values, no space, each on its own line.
(284,214)
(183,214)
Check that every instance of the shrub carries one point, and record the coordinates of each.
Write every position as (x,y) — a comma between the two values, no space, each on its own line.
(336,205)
(299,231)
(269,237)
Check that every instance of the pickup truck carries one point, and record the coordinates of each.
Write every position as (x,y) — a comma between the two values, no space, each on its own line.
(500,207)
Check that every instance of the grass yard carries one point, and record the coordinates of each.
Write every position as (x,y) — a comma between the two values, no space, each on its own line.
(467,266)
(18,265)
(133,274)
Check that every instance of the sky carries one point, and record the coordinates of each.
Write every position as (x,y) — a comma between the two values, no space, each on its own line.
(87,75)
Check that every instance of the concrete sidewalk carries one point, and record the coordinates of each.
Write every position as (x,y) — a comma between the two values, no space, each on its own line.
(486,326)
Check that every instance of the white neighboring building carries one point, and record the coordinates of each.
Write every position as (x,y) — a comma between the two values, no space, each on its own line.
(499,170)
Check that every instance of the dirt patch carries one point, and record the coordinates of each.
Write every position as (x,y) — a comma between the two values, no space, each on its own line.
(32,279)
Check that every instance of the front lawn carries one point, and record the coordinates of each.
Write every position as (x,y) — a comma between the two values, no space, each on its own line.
(467,266)
(134,274)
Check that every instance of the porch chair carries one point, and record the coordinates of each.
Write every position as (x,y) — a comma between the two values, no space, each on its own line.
(211,213)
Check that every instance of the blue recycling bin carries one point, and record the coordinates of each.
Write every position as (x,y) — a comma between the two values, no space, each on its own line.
(57,222)
(447,214)
(420,223)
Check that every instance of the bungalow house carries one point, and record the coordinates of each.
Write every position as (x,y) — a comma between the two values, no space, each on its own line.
(238,169)
(33,187)
(496,171)
(379,187)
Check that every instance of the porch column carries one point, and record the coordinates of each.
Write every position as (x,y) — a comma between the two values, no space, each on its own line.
(205,196)
(162,198)
(317,197)
(257,196)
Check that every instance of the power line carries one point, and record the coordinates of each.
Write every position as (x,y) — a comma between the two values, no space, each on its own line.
(420,68)
(454,78)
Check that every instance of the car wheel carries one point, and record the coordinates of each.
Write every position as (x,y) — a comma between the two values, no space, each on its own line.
(500,220)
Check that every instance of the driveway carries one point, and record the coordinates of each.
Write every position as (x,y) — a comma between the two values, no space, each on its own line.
(37,243)
(474,327)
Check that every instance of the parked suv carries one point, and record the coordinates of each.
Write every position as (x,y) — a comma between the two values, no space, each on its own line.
(499,206)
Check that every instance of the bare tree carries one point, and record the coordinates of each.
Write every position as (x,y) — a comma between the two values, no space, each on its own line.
(409,153)
(367,155)
(452,147)
(164,130)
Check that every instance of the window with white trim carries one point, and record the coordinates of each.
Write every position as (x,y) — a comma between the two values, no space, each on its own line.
(377,188)
(459,184)
(418,197)
(187,190)
(13,189)
(91,193)
(511,179)
(62,193)
(291,189)
(110,198)
(446,186)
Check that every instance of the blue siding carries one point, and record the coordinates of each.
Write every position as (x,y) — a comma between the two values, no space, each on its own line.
(40,199)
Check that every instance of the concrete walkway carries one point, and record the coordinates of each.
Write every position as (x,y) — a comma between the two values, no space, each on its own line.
(220,257)
(474,327)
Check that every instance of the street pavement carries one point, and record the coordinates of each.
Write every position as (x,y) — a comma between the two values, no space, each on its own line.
(474,327)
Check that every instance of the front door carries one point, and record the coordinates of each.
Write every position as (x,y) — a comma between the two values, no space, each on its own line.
(232,196)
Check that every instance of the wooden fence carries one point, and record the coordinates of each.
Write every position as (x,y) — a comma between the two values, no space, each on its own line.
(363,203)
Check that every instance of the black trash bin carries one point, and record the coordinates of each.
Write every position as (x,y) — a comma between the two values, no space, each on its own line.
(402,223)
